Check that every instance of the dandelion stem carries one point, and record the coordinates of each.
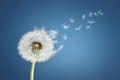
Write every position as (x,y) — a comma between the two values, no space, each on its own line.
(32,71)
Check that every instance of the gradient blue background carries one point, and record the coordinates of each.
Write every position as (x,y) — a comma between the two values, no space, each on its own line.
(94,56)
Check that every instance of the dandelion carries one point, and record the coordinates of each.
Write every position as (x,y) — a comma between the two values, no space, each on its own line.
(37,46)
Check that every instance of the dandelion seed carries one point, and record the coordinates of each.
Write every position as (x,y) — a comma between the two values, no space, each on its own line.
(83,16)
(78,28)
(101,14)
(72,20)
(65,37)
(87,27)
(60,47)
(53,33)
(90,21)
(65,26)
(95,14)
(90,14)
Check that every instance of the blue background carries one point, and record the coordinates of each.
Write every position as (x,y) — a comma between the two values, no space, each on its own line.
(94,56)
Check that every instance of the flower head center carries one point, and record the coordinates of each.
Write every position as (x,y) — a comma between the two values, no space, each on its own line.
(36,47)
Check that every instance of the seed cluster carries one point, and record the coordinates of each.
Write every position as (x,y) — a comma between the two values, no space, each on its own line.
(36,47)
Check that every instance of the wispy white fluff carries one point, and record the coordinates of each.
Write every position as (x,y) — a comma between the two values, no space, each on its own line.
(60,47)
(95,14)
(101,14)
(39,35)
(83,16)
(65,26)
(78,28)
(90,14)
(72,20)
(53,33)
(88,27)
(65,37)
(91,21)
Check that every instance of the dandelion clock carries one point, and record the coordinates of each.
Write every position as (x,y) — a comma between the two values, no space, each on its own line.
(37,46)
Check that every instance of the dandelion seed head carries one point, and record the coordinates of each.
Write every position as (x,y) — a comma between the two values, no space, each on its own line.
(37,45)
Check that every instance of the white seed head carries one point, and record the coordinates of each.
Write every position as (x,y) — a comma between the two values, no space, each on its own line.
(36,45)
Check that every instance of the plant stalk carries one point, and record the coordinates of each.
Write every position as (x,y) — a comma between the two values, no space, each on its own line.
(32,71)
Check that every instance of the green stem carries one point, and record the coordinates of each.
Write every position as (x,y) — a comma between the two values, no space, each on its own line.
(32,71)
